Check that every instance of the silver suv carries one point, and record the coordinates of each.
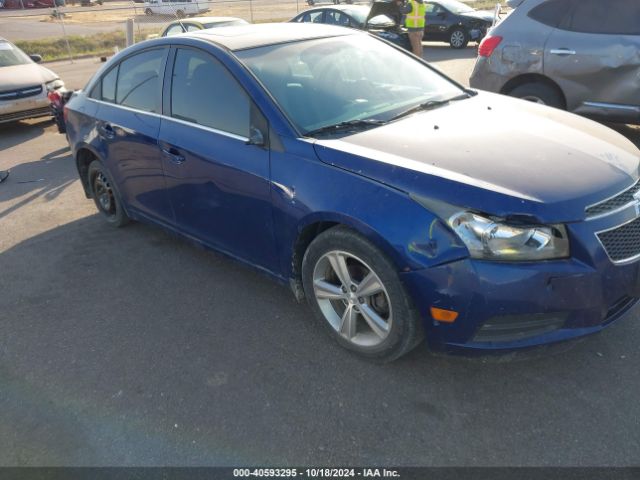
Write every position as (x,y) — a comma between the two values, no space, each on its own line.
(579,55)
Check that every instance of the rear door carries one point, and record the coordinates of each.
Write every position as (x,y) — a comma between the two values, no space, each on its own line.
(128,122)
(217,183)
(594,55)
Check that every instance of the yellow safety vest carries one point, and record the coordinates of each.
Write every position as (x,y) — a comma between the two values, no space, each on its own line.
(415,19)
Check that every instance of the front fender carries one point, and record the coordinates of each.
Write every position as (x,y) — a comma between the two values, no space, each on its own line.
(306,191)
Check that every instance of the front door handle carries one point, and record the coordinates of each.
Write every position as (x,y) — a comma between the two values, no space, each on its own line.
(173,155)
(562,51)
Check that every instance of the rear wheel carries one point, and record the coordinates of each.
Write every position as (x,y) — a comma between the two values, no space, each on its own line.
(105,195)
(355,292)
(538,93)
(459,38)
(148,11)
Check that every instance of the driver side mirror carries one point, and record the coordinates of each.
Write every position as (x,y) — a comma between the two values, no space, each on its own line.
(256,137)
(36,58)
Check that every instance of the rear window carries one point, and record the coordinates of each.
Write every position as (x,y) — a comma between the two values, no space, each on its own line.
(613,17)
(551,13)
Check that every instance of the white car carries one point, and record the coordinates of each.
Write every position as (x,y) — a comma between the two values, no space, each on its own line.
(179,8)
(23,84)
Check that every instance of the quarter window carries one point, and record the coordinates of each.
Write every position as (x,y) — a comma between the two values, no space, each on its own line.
(138,84)
(174,30)
(204,92)
(311,17)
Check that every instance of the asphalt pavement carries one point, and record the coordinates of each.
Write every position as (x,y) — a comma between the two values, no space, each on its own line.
(132,347)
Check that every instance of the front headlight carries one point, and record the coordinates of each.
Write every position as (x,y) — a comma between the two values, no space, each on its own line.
(54,85)
(492,239)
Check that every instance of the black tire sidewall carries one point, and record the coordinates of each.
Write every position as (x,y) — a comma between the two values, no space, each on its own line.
(406,330)
(120,217)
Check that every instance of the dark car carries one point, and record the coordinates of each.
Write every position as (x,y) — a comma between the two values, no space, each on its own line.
(397,202)
(376,19)
(455,23)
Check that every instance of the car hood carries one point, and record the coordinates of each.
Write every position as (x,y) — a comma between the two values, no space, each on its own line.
(494,154)
(480,15)
(27,75)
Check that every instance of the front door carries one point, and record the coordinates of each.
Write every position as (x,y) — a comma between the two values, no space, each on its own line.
(217,183)
(436,21)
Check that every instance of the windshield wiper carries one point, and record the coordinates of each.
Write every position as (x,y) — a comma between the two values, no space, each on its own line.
(350,125)
(428,105)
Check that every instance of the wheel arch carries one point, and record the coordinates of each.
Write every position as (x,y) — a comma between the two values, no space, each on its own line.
(313,225)
(84,156)
(525,78)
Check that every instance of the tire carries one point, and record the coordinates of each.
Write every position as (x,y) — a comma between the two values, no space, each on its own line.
(458,38)
(376,320)
(539,93)
(147,11)
(311,2)
(105,195)
(180,14)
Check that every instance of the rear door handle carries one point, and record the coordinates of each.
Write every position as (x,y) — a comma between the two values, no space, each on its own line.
(562,51)
(106,131)
(172,154)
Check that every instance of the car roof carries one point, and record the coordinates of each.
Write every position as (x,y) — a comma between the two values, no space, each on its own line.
(207,19)
(249,36)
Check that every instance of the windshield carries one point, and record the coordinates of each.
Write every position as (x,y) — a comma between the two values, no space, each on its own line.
(456,7)
(341,79)
(10,55)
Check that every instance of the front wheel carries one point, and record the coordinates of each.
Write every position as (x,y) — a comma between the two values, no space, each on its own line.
(148,11)
(459,38)
(105,195)
(355,292)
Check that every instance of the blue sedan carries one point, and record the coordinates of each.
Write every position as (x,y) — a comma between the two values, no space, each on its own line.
(398,203)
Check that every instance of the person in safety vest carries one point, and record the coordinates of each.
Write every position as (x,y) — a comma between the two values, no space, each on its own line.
(414,21)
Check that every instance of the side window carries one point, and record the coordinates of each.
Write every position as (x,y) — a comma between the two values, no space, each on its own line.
(139,82)
(334,17)
(105,89)
(312,17)
(174,30)
(204,92)
(551,13)
(109,85)
(614,17)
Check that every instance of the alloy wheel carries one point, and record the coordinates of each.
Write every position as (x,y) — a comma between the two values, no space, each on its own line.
(104,194)
(352,298)
(457,39)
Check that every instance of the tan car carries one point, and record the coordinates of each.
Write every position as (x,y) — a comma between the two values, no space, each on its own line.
(23,84)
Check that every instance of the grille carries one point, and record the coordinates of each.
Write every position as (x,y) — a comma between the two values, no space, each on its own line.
(622,243)
(614,203)
(21,93)
(23,115)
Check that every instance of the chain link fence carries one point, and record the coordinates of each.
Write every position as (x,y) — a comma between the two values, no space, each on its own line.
(72,31)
